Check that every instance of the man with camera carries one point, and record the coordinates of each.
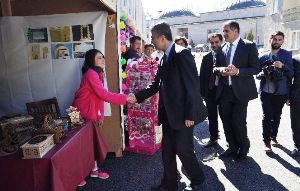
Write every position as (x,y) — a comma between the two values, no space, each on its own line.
(277,70)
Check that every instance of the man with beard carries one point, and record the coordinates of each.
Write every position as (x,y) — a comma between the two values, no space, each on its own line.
(208,87)
(277,70)
(134,50)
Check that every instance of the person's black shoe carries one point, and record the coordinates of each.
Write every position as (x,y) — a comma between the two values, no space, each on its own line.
(226,154)
(159,188)
(211,143)
(240,157)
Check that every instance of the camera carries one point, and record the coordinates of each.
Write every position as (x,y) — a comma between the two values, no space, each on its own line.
(273,73)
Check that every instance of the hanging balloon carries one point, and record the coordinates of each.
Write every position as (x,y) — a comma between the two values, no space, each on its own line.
(127,20)
(123,61)
(131,32)
(123,17)
(123,75)
(124,87)
(130,23)
(122,37)
(122,25)
(123,48)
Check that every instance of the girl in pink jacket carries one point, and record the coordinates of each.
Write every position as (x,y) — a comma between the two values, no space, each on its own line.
(90,98)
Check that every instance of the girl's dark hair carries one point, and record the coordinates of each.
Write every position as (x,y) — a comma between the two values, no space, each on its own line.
(89,61)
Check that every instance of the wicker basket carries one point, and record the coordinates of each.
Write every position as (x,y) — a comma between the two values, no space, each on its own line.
(38,146)
(16,130)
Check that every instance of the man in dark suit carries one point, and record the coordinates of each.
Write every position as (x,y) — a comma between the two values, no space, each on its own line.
(295,106)
(236,65)
(208,87)
(180,107)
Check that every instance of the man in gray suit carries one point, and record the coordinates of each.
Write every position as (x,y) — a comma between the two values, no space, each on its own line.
(236,64)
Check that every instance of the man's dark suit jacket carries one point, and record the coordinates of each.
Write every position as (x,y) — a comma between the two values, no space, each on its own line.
(206,71)
(178,85)
(246,60)
(129,54)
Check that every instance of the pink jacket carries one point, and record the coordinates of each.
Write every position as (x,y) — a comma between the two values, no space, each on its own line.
(90,97)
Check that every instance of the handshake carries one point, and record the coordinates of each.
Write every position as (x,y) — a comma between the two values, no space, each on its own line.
(131,98)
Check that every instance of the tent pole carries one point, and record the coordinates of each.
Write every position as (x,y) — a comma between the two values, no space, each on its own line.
(6,8)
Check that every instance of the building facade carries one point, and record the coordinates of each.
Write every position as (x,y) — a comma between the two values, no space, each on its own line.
(197,28)
(284,15)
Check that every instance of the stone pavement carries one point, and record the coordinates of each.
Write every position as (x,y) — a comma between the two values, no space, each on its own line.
(277,172)
(135,172)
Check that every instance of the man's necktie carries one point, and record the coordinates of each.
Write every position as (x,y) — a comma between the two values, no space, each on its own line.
(228,54)
(211,83)
(164,59)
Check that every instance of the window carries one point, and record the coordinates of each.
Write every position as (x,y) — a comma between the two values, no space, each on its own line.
(296,39)
(275,7)
(209,31)
(183,32)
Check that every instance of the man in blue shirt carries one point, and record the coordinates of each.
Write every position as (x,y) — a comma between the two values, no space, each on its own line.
(277,70)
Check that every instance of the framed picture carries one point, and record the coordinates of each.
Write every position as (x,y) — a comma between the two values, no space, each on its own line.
(79,49)
(83,32)
(37,35)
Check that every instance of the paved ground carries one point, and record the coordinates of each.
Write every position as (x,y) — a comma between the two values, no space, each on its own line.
(134,172)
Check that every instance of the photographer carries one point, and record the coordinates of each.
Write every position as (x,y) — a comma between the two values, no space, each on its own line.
(277,70)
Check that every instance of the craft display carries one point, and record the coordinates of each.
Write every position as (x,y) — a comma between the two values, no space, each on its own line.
(14,132)
(144,133)
(38,146)
(75,117)
(50,127)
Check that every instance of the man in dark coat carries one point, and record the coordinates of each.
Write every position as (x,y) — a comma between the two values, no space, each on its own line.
(295,106)
(208,88)
(180,108)
(236,64)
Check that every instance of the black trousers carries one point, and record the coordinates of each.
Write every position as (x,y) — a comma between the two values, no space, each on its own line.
(295,122)
(212,109)
(233,113)
(272,108)
(179,142)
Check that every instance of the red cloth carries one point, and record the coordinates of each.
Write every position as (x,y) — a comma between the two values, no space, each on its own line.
(62,168)
(90,97)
